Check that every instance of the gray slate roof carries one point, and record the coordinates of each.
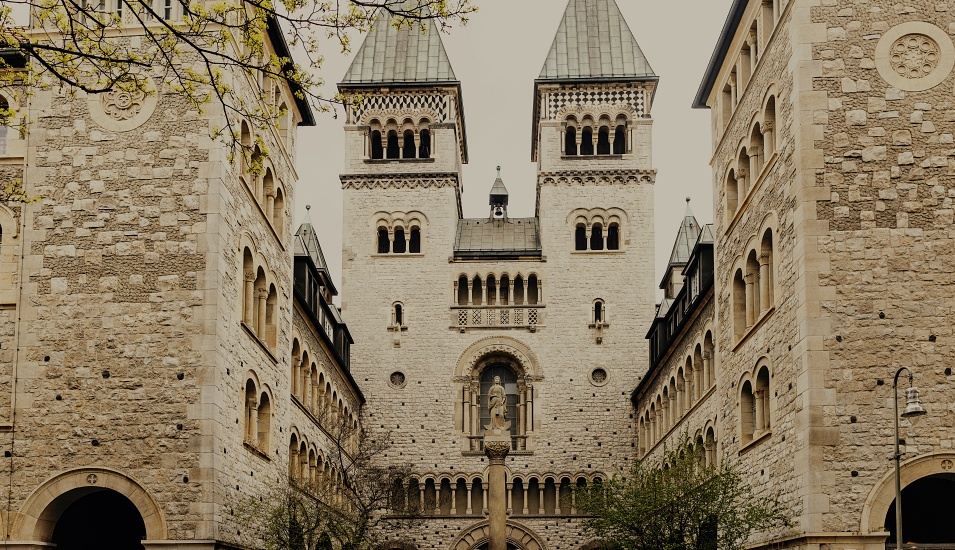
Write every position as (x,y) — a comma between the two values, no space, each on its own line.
(497,238)
(594,41)
(406,55)
(686,238)
(306,244)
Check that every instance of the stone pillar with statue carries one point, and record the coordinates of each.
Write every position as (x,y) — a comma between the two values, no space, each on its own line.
(497,444)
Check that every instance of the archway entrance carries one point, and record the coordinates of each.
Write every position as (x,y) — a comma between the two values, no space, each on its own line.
(926,512)
(99,520)
(509,547)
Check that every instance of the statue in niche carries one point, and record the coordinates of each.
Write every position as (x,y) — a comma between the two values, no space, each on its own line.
(497,406)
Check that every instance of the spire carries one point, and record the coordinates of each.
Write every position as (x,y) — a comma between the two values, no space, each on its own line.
(686,238)
(594,41)
(498,198)
(406,55)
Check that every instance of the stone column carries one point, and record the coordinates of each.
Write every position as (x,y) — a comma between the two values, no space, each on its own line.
(469,511)
(708,369)
(470,292)
(760,412)
(750,300)
(769,139)
(261,295)
(249,297)
(526,510)
(510,293)
(510,497)
(454,499)
(292,461)
(496,447)
(252,434)
(270,206)
(764,290)
(296,365)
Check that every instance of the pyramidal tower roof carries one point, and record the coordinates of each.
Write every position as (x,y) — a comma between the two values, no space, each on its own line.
(593,41)
(686,238)
(405,55)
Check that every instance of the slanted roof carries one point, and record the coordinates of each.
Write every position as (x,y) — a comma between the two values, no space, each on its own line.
(401,56)
(686,238)
(306,244)
(497,238)
(277,37)
(593,41)
(733,20)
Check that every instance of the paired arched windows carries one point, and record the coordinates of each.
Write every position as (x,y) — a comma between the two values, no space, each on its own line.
(595,238)
(315,390)
(589,138)
(747,170)
(498,291)
(258,416)
(755,411)
(396,241)
(408,140)
(259,299)
(258,175)
(753,285)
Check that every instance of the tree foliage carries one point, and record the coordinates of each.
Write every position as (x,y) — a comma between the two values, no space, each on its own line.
(679,502)
(348,509)
(195,47)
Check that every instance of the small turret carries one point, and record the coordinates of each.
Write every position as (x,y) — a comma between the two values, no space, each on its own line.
(498,199)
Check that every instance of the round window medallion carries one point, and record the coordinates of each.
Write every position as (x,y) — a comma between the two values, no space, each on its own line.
(398,379)
(598,377)
(915,56)
(123,110)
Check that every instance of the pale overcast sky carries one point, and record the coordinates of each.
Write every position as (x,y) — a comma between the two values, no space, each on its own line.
(496,57)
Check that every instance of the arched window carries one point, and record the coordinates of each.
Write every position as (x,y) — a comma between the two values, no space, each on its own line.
(739,304)
(587,141)
(753,307)
(747,412)
(570,141)
(709,444)
(731,192)
(377,149)
(384,245)
(261,296)
(620,140)
(264,422)
(743,177)
(394,151)
(397,315)
(462,290)
(599,311)
(278,212)
(533,290)
(509,380)
(256,167)
(293,470)
(603,141)
(268,188)
(271,319)
(519,290)
(613,237)
(580,237)
(769,127)
(251,413)
(505,294)
(491,290)
(596,237)
(245,138)
(766,271)
(756,149)
(400,246)
(408,150)
(424,149)
(762,409)
(248,288)
(477,291)
(414,244)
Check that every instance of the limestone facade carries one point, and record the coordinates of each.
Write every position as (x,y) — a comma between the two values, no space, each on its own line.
(148,319)
(832,179)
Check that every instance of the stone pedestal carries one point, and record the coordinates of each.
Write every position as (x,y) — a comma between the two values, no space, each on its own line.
(497,443)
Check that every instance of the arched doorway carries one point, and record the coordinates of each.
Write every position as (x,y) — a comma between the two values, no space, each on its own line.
(510,546)
(926,512)
(100,520)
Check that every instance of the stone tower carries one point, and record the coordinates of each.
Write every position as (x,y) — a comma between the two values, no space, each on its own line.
(440,305)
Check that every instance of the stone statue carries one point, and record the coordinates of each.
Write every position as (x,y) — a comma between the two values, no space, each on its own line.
(497,406)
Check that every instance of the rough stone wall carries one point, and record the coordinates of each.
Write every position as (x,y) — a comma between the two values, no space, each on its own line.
(773,463)
(889,172)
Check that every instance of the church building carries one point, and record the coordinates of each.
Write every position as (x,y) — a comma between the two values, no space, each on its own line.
(440,304)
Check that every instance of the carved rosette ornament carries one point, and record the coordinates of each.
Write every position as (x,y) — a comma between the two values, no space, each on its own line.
(915,56)
(496,451)
(124,110)
(122,104)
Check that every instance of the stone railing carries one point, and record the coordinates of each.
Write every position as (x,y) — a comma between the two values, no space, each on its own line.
(510,316)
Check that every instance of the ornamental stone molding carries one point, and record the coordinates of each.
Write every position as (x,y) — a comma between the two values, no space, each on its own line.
(121,110)
(400,115)
(520,536)
(629,177)
(399,181)
(503,345)
(596,113)
(915,56)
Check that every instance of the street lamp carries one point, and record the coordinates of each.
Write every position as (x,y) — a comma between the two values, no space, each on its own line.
(913,408)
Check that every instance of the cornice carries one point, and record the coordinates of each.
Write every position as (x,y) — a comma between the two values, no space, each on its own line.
(399,181)
(598,177)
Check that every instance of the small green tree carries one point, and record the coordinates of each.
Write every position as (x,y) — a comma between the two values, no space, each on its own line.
(678,502)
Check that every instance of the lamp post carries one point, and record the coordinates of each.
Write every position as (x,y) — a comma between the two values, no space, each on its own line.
(913,408)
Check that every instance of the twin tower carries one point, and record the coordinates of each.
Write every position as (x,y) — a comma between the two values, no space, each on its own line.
(555,305)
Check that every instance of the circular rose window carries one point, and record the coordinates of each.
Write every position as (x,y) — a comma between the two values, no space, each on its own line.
(398,379)
(598,377)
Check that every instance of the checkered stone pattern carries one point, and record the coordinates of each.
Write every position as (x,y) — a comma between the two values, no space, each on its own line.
(397,103)
(631,98)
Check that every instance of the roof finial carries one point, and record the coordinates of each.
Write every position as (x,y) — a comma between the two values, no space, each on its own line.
(689,213)
(498,171)
(309,206)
